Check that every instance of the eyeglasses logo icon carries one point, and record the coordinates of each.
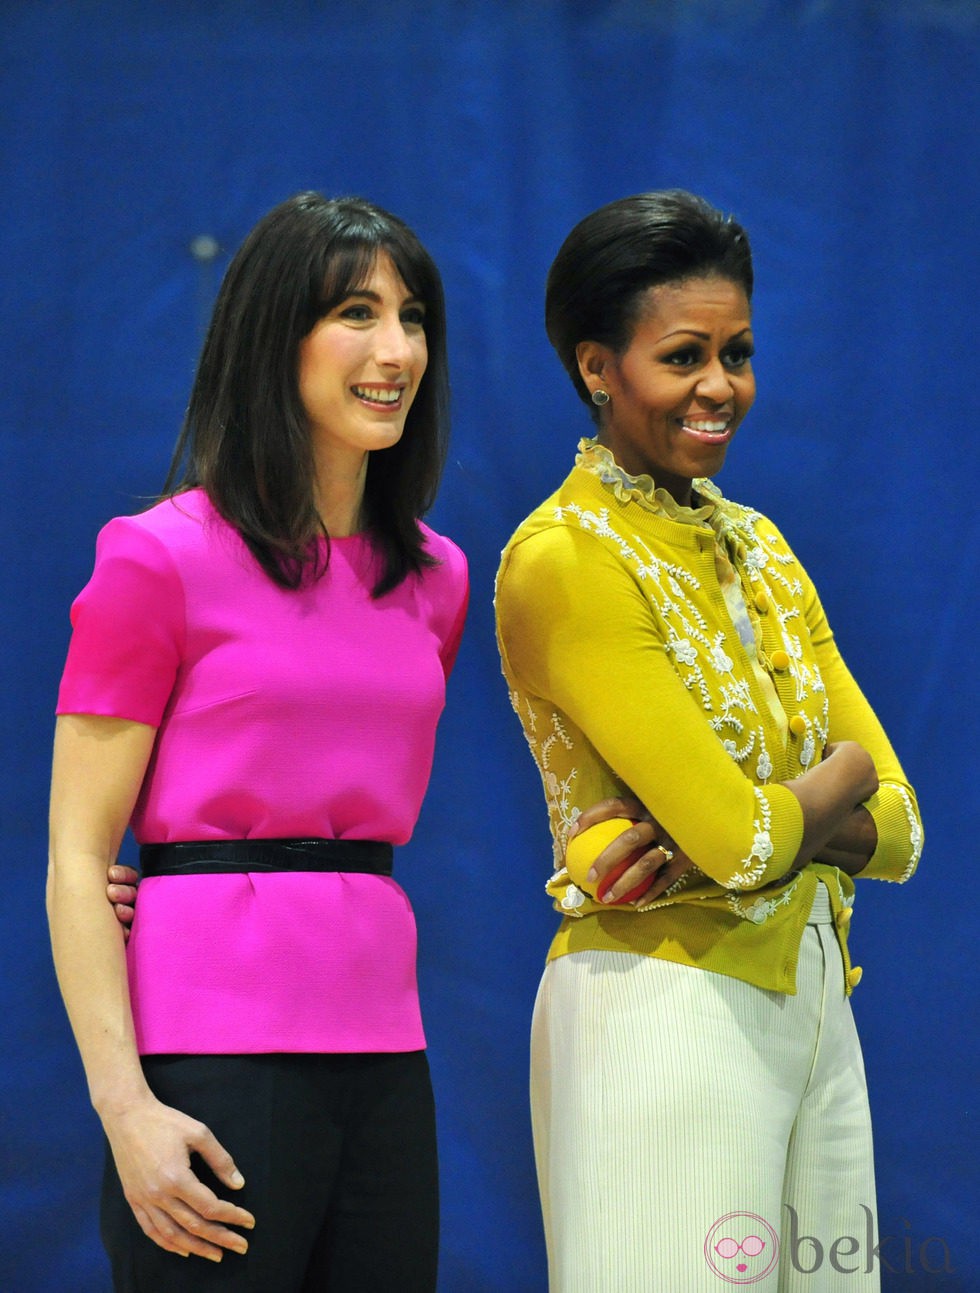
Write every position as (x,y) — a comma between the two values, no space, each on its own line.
(741,1248)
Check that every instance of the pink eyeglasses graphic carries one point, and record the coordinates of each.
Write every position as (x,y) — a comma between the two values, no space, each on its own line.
(745,1259)
(751,1246)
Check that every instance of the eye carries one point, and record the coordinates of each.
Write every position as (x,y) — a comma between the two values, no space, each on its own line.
(356,313)
(414,316)
(684,358)
(738,356)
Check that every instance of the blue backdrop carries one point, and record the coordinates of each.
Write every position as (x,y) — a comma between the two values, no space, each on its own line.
(843,134)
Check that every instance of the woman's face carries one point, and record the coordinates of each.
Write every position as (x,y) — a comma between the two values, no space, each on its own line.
(359,370)
(683,385)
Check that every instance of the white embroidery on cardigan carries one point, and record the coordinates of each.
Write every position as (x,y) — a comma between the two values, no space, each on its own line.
(562,813)
(916,835)
(760,910)
(687,642)
(846,899)
(668,596)
(663,900)
(761,847)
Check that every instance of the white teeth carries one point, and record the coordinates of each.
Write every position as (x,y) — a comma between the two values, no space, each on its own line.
(712,427)
(377,395)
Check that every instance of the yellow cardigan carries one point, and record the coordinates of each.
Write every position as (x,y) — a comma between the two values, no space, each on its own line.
(628,675)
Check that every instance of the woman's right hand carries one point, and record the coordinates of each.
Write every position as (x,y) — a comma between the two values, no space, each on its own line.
(829,792)
(152,1146)
(121,892)
(647,834)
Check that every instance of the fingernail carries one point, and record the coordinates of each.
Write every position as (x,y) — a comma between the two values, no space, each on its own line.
(213,1257)
(242,1248)
(236,1180)
(592,877)
(608,897)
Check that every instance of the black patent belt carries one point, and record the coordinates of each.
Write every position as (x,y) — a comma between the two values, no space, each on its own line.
(209,857)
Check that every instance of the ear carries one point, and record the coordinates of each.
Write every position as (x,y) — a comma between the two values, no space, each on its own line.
(592,359)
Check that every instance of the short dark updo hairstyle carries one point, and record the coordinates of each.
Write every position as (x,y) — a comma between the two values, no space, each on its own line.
(615,254)
(246,438)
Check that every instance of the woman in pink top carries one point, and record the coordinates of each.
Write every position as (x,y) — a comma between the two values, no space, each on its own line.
(256,671)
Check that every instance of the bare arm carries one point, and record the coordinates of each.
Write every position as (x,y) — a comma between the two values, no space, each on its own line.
(831,795)
(99,765)
(850,847)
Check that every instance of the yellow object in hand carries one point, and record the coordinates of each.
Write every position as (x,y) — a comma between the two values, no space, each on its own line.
(583,849)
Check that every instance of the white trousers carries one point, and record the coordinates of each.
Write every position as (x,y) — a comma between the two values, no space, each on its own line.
(692,1131)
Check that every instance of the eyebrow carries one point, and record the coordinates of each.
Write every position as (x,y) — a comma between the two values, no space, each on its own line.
(368,295)
(703,336)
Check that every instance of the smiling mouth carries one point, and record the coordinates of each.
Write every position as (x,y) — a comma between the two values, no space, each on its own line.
(708,430)
(385,395)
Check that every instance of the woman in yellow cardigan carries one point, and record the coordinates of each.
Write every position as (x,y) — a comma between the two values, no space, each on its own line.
(698,1096)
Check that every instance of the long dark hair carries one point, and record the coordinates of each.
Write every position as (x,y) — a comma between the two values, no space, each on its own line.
(245,438)
(614,255)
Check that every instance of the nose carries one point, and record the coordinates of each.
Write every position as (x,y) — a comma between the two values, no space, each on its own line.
(394,346)
(715,384)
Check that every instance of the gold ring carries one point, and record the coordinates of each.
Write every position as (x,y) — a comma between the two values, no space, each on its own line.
(668,853)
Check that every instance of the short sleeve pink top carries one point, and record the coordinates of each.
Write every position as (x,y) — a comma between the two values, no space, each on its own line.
(279,713)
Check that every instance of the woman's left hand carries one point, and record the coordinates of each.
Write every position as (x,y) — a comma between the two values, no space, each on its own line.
(121,892)
(647,834)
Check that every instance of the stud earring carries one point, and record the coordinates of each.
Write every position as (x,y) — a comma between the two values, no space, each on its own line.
(600,397)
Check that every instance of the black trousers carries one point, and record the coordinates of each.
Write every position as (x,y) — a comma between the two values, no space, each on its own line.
(339,1158)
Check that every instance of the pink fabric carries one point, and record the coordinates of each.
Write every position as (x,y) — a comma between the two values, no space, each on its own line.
(280,713)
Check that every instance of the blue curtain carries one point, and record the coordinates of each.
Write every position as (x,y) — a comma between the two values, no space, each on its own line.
(843,134)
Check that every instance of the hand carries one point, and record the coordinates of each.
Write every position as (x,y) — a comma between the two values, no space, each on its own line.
(860,767)
(647,834)
(121,892)
(828,794)
(152,1144)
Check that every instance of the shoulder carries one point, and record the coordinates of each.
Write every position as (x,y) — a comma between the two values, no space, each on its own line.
(183,528)
(550,547)
(556,572)
(567,531)
(542,531)
(183,516)
(450,556)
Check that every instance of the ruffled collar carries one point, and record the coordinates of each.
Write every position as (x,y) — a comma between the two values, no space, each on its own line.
(731,523)
(596,458)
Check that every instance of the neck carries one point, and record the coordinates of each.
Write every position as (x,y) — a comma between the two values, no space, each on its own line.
(339,498)
(680,488)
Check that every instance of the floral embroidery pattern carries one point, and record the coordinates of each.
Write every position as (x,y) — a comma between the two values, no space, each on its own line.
(759,911)
(573,897)
(916,836)
(557,790)
(742,705)
(761,850)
